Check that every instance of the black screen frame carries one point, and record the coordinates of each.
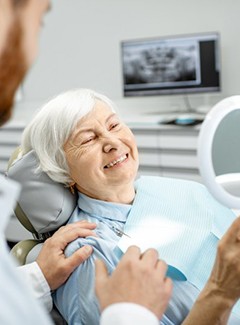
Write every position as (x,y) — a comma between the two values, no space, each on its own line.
(209,82)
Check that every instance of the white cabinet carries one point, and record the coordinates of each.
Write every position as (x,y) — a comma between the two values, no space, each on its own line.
(167,150)
(10,138)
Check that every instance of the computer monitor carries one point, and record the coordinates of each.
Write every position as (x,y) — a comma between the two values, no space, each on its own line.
(171,65)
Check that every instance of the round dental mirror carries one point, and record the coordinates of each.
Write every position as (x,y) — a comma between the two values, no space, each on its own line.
(219,151)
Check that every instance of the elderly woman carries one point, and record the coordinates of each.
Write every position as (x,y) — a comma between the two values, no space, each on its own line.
(81,142)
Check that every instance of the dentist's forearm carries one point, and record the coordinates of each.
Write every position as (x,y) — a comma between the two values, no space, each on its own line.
(209,308)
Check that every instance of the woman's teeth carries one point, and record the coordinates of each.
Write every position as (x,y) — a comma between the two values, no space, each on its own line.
(115,162)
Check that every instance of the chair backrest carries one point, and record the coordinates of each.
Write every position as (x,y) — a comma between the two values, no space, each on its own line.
(44,205)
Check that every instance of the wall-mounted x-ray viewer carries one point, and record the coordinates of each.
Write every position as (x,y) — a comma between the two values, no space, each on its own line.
(219,151)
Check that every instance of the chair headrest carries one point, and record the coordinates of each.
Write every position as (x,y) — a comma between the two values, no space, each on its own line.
(47,204)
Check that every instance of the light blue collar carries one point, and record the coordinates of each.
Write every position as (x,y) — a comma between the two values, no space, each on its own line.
(103,209)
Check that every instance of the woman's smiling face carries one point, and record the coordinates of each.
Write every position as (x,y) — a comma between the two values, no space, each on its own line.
(102,154)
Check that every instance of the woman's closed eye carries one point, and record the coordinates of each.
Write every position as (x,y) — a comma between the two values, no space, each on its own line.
(87,140)
(114,126)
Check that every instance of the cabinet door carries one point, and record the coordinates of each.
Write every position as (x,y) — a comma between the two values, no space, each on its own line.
(10,138)
(178,141)
(146,138)
(179,159)
(168,151)
(182,174)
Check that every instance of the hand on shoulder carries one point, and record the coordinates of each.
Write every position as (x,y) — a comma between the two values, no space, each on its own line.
(55,266)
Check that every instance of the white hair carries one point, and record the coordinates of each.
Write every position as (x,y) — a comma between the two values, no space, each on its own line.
(52,126)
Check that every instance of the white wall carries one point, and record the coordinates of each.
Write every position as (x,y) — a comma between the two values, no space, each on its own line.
(80,47)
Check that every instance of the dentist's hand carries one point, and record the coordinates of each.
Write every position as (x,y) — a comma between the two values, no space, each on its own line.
(55,266)
(138,278)
(225,275)
(222,290)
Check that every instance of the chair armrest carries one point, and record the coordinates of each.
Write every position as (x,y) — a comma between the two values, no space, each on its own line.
(21,250)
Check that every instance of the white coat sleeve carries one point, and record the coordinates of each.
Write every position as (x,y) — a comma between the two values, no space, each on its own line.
(127,314)
(41,290)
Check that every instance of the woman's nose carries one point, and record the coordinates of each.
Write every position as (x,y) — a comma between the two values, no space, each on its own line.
(108,147)
(110,143)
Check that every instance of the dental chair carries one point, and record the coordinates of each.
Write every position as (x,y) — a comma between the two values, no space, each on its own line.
(43,206)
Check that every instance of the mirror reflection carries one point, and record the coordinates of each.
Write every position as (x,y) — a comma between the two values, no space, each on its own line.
(226,153)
